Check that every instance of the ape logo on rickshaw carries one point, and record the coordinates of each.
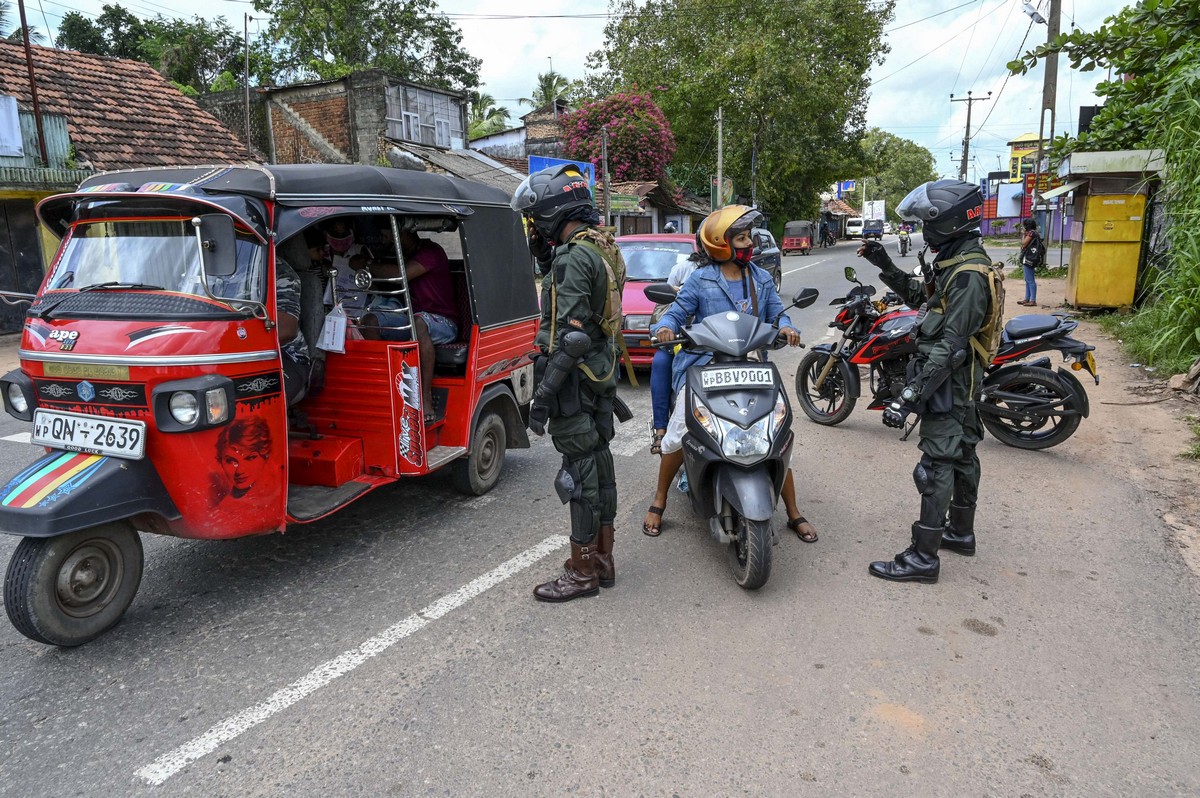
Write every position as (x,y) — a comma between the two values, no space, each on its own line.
(65,338)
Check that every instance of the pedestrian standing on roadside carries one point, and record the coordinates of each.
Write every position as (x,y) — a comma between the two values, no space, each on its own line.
(1033,254)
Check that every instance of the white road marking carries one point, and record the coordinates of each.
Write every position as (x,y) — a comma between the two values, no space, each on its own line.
(20,437)
(805,266)
(172,762)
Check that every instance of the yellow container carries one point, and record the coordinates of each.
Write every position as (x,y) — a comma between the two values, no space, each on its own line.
(1103,271)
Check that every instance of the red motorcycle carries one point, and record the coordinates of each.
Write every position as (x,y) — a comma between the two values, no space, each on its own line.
(1023,404)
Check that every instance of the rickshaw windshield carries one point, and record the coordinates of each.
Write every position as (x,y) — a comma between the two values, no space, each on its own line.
(152,255)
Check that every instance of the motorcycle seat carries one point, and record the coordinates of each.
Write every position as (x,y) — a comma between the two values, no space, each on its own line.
(1029,325)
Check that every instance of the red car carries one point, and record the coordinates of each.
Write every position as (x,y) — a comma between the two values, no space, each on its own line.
(649,258)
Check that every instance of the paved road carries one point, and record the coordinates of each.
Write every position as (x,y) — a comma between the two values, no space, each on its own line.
(1060,661)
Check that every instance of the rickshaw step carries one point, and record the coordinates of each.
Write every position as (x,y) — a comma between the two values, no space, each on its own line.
(440,455)
(307,502)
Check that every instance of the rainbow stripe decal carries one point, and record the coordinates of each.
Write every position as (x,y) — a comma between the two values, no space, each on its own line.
(59,471)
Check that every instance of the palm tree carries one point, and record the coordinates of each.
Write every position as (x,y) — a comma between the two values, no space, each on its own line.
(35,36)
(550,86)
(484,116)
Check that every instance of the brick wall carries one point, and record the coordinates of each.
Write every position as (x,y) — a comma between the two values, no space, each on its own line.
(325,108)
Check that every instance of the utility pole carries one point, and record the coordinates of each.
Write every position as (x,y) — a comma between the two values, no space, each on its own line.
(604,169)
(1049,96)
(720,161)
(246,81)
(969,100)
(37,111)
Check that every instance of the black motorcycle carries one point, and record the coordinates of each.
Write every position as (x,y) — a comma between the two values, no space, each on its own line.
(739,436)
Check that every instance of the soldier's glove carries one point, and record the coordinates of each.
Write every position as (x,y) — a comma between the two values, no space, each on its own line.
(875,254)
(895,414)
(538,415)
(541,250)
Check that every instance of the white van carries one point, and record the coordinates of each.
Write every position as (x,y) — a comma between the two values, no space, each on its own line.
(854,227)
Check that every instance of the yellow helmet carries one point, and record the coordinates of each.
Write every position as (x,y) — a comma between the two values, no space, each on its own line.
(722,225)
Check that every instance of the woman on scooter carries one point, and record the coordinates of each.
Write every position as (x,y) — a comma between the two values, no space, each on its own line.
(728,281)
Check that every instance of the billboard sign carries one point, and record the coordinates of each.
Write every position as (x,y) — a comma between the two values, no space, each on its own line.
(844,187)
(873,209)
(726,197)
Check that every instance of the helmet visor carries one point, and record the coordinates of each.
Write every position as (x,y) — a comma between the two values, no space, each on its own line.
(917,206)
(524,197)
(745,222)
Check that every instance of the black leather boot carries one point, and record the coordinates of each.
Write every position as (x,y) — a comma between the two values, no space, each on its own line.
(959,534)
(578,579)
(918,563)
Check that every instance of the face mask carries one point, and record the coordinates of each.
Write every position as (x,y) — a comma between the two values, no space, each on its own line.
(340,245)
(742,256)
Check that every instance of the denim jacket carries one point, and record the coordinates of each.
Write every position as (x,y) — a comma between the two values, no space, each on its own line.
(704,293)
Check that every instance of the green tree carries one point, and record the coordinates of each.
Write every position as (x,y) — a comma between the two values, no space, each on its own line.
(484,117)
(790,79)
(893,166)
(115,32)
(193,52)
(640,142)
(550,86)
(35,35)
(406,38)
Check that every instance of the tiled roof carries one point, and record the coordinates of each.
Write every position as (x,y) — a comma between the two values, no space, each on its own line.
(120,113)
(842,207)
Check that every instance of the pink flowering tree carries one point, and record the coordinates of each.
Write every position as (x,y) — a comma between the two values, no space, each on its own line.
(640,142)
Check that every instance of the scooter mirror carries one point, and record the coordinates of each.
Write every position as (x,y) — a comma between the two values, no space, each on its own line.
(851,275)
(660,293)
(217,242)
(806,297)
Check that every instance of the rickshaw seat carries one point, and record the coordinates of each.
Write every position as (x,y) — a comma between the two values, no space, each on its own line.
(455,353)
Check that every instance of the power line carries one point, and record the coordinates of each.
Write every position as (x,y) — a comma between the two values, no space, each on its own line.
(966,49)
(935,49)
(1000,93)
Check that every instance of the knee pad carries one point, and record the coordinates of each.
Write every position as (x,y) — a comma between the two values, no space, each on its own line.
(923,476)
(567,483)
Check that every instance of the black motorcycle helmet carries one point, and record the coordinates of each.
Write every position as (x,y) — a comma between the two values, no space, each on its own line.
(546,198)
(947,209)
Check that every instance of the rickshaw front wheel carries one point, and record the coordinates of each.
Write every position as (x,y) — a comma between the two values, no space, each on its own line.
(479,471)
(69,589)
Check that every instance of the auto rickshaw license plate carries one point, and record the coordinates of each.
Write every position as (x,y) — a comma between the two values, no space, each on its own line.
(76,432)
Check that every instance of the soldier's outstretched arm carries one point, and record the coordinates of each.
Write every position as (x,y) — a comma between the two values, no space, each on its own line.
(909,288)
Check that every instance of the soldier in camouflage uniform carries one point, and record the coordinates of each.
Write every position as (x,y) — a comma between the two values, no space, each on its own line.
(578,368)
(948,373)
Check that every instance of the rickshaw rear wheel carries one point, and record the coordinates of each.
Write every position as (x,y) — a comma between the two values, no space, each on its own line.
(70,589)
(479,471)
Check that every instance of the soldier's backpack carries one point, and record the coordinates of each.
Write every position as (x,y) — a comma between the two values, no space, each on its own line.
(611,319)
(986,341)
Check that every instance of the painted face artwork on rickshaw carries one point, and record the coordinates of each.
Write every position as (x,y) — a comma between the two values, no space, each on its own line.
(243,452)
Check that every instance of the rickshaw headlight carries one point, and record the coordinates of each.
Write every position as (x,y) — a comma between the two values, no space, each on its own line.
(16,398)
(184,408)
(216,404)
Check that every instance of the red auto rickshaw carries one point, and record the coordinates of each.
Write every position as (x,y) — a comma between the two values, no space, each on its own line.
(797,237)
(151,370)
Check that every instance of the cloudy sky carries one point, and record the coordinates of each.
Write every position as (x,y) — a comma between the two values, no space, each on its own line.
(939,48)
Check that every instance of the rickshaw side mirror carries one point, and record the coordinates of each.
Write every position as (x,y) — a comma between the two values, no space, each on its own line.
(851,275)
(660,293)
(806,297)
(218,243)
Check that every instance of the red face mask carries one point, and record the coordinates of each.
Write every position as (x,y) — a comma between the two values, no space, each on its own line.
(742,256)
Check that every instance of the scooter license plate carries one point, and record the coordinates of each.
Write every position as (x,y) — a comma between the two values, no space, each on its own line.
(725,377)
(76,432)
(1091,364)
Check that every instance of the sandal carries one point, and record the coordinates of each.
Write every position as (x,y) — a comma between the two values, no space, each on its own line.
(656,441)
(654,530)
(794,524)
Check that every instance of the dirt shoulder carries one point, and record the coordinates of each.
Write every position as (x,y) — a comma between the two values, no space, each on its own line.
(1136,426)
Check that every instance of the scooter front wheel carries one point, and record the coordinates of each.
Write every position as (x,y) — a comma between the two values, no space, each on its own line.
(1040,398)
(69,589)
(750,553)
(831,403)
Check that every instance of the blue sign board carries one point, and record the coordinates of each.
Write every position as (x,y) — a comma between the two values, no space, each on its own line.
(538,163)
(844,187)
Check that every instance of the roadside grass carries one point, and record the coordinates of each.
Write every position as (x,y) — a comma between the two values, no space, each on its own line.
(1193,451)
(1140,334)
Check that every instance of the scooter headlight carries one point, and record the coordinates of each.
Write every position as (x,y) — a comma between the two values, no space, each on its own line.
(778,415)
(746,446)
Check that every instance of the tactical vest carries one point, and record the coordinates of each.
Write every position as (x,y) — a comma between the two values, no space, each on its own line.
(986,340)
(611,319)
